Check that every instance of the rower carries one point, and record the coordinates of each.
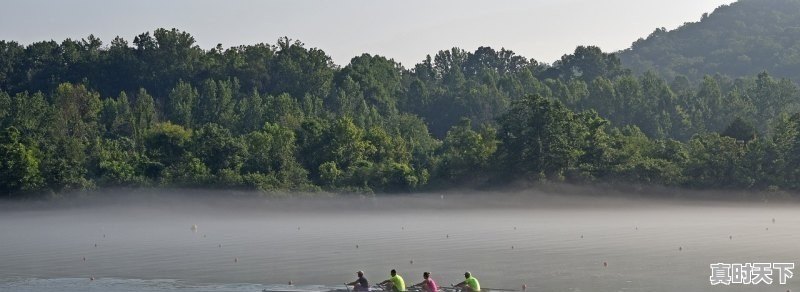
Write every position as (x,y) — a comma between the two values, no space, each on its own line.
(360,284)
(395,281)
(470,284)
(427,284)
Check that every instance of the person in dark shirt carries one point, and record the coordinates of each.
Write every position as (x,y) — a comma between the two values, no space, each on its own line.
(360,284)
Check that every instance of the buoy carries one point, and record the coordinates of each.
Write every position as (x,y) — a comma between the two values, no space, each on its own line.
(220,246)
(512,247)
(298,227)
(515,227)
(84,259)
(91,278)
(290,283)
(605,264)
(356,245)
(730,237)
(581,235)
(524,287)
(95,245)
(767,228)
(104,236)
(773,220)
(236,260)
(194,228)
(204,236)
(411,262)
(680,248)
(448,236)
(404,228)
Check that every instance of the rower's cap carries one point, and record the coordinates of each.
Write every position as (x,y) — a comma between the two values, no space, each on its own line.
(360,273)
(466,274)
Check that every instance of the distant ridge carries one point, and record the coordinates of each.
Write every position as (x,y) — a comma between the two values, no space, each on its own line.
(740,39)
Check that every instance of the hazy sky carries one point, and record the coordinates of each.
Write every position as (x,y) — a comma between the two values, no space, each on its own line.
(405,30)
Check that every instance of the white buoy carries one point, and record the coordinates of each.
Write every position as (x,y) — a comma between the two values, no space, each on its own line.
(194,228)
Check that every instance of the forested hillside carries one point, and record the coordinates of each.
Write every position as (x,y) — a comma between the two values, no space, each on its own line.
(161,111)
(741,39)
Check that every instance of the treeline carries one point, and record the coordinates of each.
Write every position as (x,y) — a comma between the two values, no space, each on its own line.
(164,112)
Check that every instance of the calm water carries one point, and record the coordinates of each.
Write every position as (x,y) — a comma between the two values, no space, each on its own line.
(549,247)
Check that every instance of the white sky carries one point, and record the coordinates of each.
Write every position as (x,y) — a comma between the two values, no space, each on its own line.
(405,30)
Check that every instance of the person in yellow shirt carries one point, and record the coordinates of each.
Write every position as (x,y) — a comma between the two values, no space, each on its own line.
(471,284)
(395,282)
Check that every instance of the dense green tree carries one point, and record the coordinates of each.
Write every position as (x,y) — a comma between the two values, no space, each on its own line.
(19,167)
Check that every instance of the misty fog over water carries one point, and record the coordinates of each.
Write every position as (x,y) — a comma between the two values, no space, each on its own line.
(548,243)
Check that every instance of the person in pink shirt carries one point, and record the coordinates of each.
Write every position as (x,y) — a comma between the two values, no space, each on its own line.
(427,284)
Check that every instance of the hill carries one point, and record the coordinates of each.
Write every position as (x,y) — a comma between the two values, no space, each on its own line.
(740,39)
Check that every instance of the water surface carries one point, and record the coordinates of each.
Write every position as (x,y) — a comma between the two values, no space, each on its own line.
(648,246)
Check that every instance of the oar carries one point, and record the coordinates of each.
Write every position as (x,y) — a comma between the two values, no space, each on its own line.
(347,287)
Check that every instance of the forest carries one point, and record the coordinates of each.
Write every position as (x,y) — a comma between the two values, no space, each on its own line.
(279,118)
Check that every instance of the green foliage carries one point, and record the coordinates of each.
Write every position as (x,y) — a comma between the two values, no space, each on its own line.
(19,168)
(162,111)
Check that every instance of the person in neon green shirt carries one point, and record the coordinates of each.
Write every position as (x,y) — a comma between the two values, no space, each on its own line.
(396,282)
(470,284)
